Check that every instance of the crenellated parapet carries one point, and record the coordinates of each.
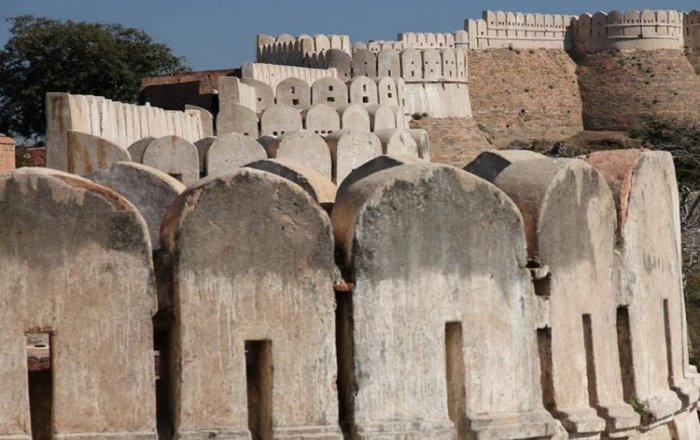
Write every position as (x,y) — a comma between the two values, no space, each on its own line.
(418,40)
(273,74)
(641,30)
(300,50)
(496,30)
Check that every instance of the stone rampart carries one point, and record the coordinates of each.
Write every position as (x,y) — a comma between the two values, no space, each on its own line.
(272,74)
(543,300)
(116,123)
(516,30)
(294,51)
(641,30)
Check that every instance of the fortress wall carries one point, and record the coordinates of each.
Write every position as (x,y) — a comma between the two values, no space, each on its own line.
(439,100)
(289,50)
(620,90)
(258,96)
(641,30)
(424,320)
(497,29)
(524,95)
(273,74)
(115,122)
(415,65)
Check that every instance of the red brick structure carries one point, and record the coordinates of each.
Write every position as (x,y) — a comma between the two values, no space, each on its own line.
(173,92)
(7,153)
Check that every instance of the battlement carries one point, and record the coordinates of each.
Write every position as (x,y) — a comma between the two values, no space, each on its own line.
(500,251)
(289,50)
(418,40)
(641,30)
(497,30)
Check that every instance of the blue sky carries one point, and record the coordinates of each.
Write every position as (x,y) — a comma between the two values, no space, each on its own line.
(215,34)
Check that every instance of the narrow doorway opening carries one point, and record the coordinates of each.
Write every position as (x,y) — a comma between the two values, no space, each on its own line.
(258,357)
(590,361)
(455,375)
(40,381)
(624,346)
(669,343)
(544,348)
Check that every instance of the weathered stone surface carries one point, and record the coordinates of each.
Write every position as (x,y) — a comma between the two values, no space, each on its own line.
(649,280)
(569,215)
(378,163)
(150,190)
(57,228)
(489,164)
(202,146)
(236,118)
(350,149)
(231,151)
(137,148)
(174,156)
(279,119)
(413,365)
(304,147)
(322,119)
(87,153)
(397,141)
(354,117)
(258,251)
(319,187)
(294,92)
(422,141)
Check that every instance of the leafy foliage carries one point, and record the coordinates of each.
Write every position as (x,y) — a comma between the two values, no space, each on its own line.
(45,55)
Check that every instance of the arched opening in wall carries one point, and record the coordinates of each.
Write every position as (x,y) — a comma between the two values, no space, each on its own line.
(258,371)
(624,346)
(40,384)
(590,360)
(455,375)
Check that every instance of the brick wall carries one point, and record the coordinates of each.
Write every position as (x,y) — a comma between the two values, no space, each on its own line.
(524,95)
(621,89)
(7,153)
(454,141)
(173,92)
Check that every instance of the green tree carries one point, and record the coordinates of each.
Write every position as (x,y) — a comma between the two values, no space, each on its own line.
(45,55)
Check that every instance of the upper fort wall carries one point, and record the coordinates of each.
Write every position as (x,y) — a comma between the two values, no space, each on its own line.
(641,30)
(289,50)
(518,30)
